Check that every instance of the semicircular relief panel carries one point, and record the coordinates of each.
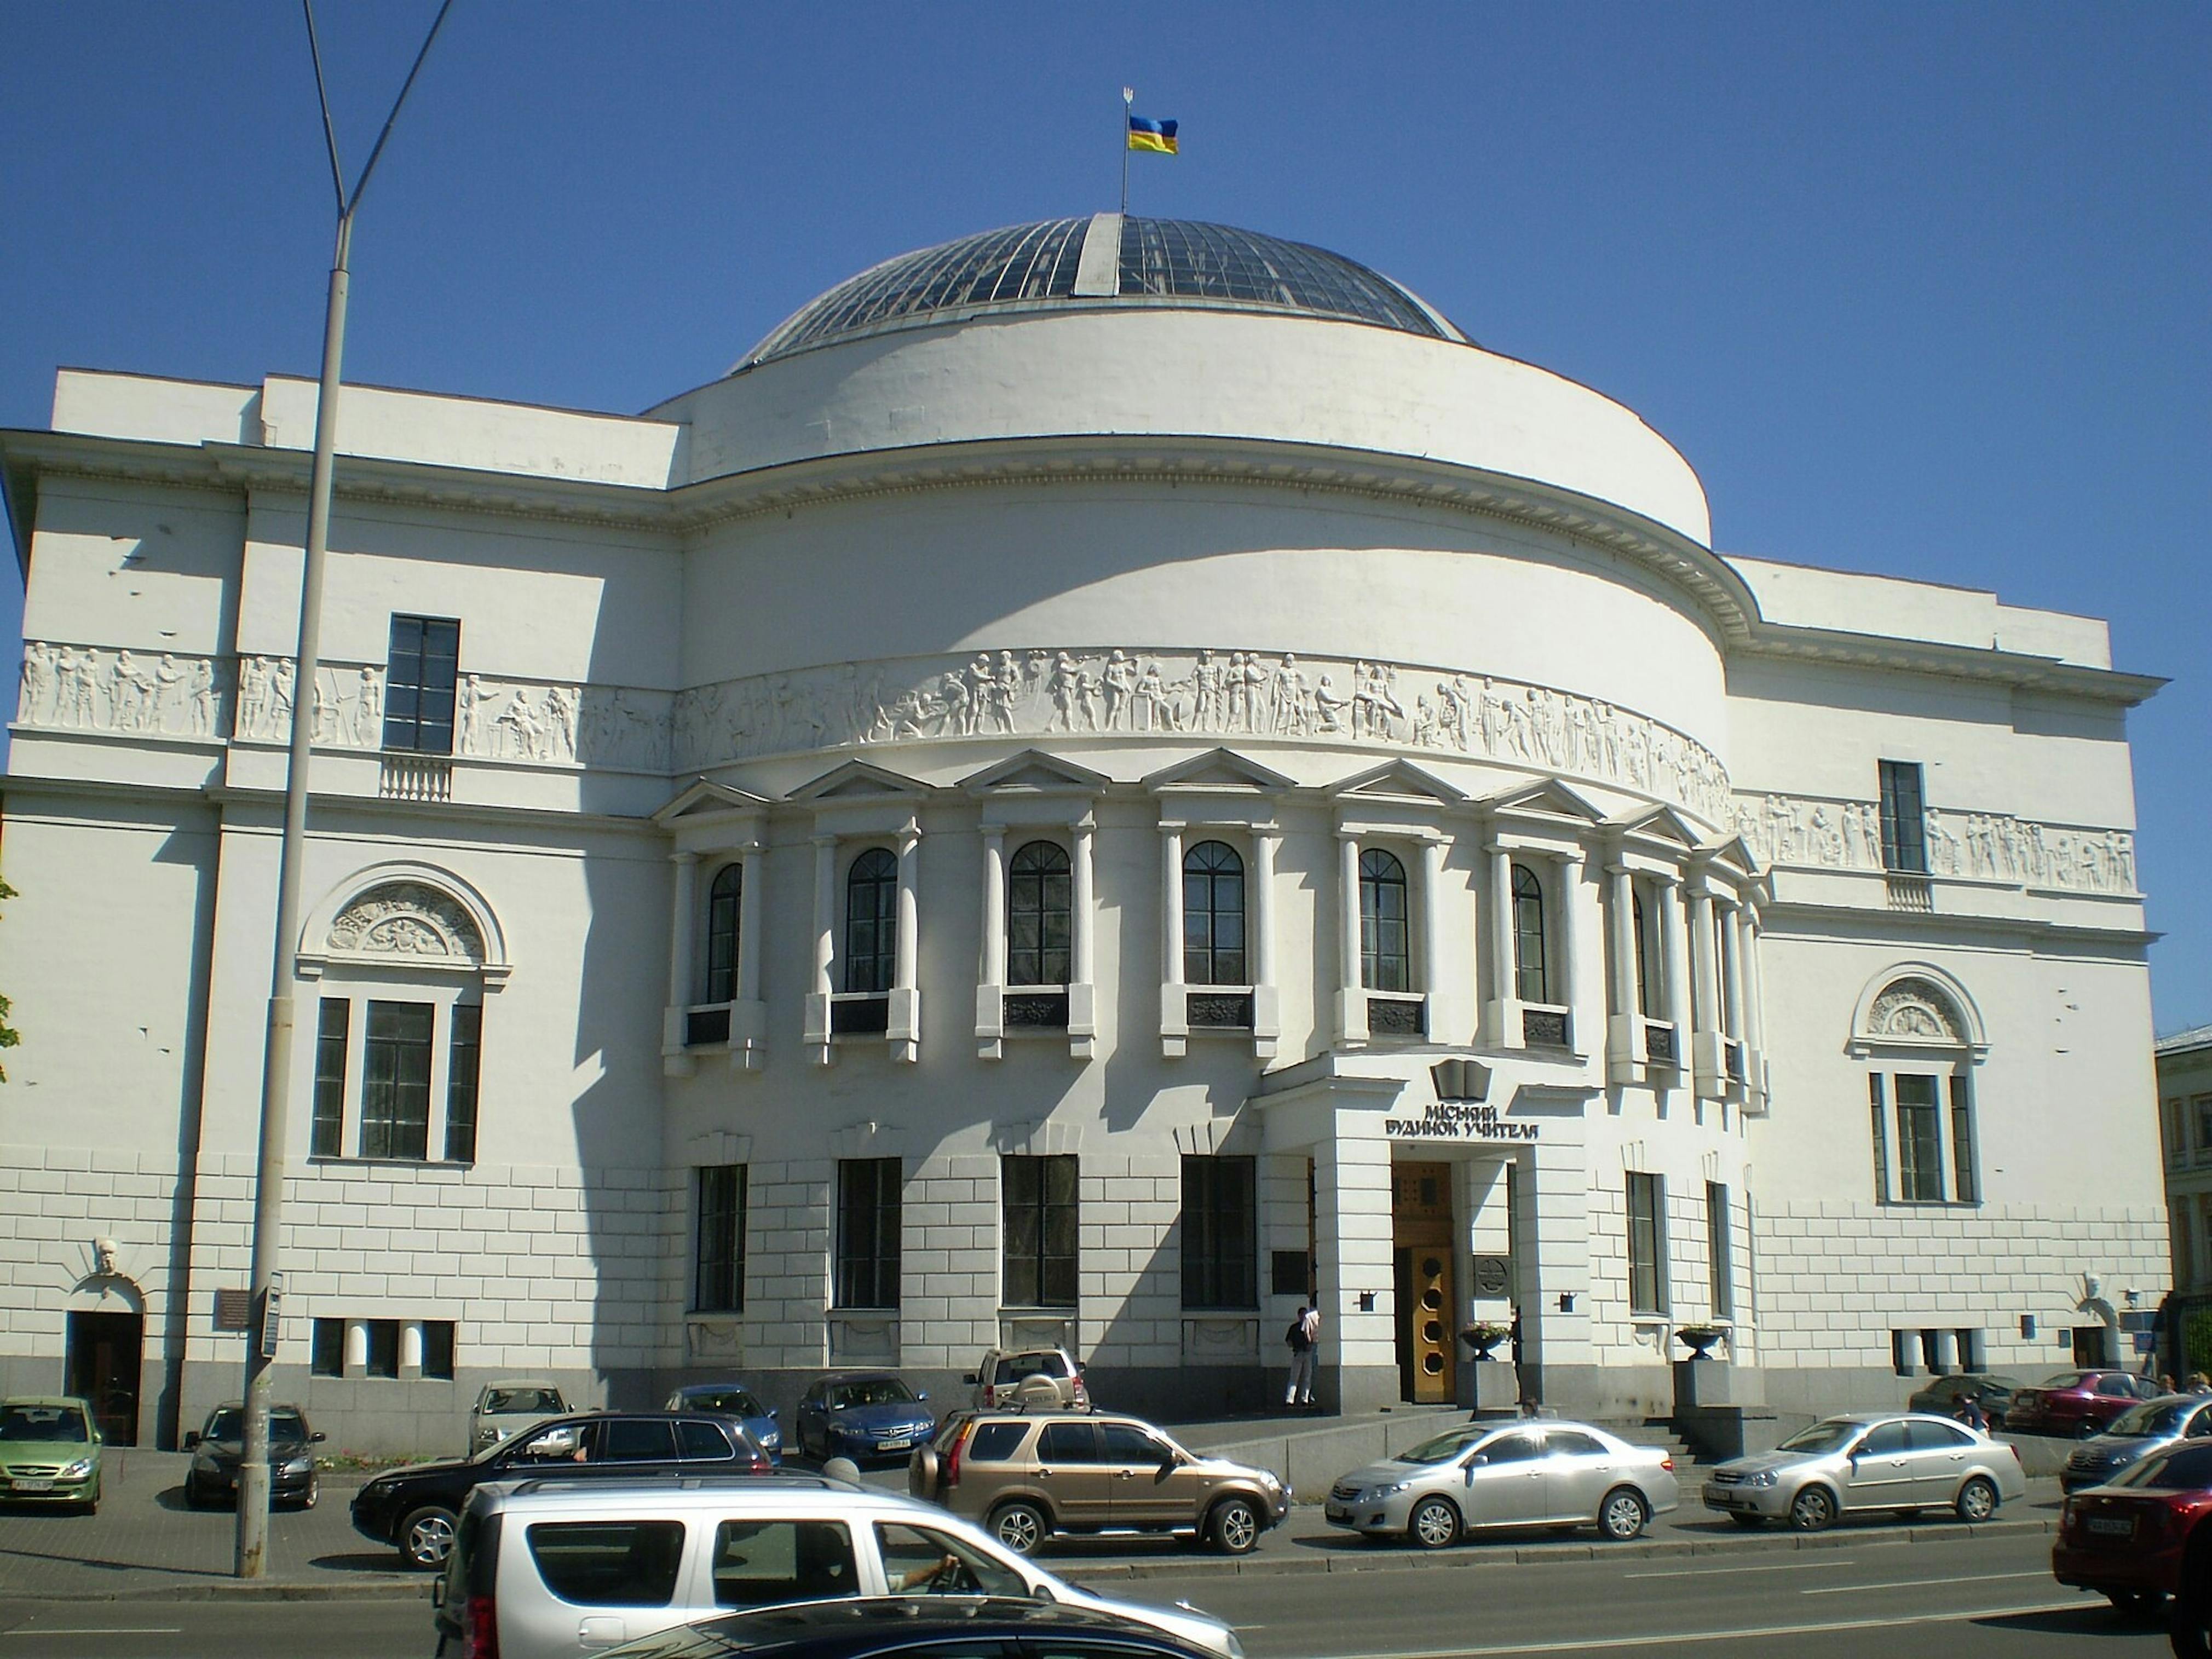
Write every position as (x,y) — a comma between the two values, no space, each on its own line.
(1324,700)
(408,919)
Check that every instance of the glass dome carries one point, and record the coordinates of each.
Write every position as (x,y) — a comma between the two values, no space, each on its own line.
(1103,260)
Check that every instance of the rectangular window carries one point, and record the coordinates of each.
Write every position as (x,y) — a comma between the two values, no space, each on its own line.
(1647,1243)
(1039,1195)
(718,1284)
(1964,1182)
(2202,1109)
(326,1348)
(1880,1107)
(1643,922)
(461,1082)
(1901,1353)
(327,1138)
(1935,1353)
(1972,1357)
(868,1231)
(383,1348)
(395,1091)
(1919,1140)
(438,1349)
(1220,1243)
(421,669)
(1903,819)
(1720,1241)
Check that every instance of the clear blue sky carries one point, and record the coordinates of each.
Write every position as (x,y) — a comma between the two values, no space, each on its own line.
(1919,289)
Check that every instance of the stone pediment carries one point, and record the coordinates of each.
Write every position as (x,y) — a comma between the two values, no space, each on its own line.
(1549,799)
(1736,853)
(1033,772)
(1218,771)
(1399,781)
(857,781)
(1661,823)
(705,799)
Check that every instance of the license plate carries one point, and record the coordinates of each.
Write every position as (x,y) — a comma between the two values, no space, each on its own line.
(896,1445)
(33,1485)
(1337,1512)
(2111,1526)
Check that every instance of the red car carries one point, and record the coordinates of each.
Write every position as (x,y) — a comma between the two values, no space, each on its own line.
(2128,1539)
(2074,1403)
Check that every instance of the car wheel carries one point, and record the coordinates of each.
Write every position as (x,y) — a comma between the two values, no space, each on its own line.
(194,1497)
(1622,1515)
(1433,1523)
(1748,1522)
(1978,1500)
(1020,1526)
(1813,1509)
(426,1537)
(1234,1526)
(314,1491)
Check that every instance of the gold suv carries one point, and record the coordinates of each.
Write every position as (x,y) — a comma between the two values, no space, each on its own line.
(1026,1476)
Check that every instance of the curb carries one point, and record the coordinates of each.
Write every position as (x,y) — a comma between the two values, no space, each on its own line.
(372,1590)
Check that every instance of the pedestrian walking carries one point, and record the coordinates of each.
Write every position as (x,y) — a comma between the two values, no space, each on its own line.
(1969,1411)
(1300,1339)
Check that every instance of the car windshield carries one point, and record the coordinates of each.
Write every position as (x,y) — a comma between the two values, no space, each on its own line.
(1444,1447)
(229,1424)
(730,1403)
(501,1403)
(870,1391)
(2067,1380)
(1831,1436)
(2187,1468)
(44,1423)
(2152,1417)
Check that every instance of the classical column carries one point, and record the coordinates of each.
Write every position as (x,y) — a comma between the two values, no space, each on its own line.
(682,927)
(1731,939)
(1082,990)
(1431,975)
(1624,1025)
(905,1015)
(749,1014)
(1504,981)
(1674,970)
(356,1346)
(991,971)
(1704,991)
(825,948)
(1350,996)
(1569,954)
(1754,1013)
(1260,916)
(1175,1020)
(410,1348)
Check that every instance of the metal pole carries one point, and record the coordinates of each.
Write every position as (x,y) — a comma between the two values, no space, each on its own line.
(1129,109)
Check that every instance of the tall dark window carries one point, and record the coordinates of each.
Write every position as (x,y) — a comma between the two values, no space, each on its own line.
(1647,953)
(871,921)
(438,1349)
(1720,1241)
(722,932)
(1878,1105)
(1647,1243)
(1220,1242)
(395,1089)
(1965,1181)
(868,1232)
(327,1138)
(326,1348)
(383,1347)
(1532,978)
(1213,915)
(461,1082)
(1040,915)
(718,1278)
(420,669)
(1919,1140)
(1903,819)
(1385,964)
(1040,1231)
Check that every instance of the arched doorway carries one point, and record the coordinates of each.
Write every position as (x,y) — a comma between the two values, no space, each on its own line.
(106,1346)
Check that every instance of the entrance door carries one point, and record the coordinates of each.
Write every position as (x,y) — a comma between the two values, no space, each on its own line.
(1421,1229)
(103,1367)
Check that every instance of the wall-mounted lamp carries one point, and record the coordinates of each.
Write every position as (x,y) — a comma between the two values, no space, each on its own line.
(1367,1302)
(1566,1302)
(2027,1327)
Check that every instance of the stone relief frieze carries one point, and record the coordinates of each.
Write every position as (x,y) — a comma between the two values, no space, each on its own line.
(407,918)
(1207,693)
(1914,1010)
(1846,834)
(88,689)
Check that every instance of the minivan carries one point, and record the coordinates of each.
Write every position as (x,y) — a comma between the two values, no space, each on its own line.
(548,1567)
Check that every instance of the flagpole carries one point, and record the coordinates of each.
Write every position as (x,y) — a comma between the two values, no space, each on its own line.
(1129,107)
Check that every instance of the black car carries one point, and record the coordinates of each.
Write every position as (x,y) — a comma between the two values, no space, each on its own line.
(1941,1398)
(415,1509)
(218,1449)
(915,1627)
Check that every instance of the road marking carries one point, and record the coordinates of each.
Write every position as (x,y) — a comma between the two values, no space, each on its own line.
(1684,1638)
(1707,1572)
(101,1629)
(1922,1583)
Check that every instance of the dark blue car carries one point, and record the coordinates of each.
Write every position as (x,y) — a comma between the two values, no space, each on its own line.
(731,1399)
(862,1415)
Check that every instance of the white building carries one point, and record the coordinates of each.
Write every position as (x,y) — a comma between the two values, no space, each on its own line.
(1110,776)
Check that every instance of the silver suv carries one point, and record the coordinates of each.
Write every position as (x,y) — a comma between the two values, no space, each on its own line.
(1033,1378)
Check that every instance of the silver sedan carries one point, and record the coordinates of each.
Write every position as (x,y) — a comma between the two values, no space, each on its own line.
(1865,1462)
(1481,1475)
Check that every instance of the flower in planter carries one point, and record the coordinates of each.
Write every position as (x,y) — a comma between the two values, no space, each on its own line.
(1484,1333)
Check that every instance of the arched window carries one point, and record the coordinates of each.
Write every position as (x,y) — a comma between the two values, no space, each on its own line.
(871,921)
(1039,916)
(722,932)
(1213,915)
(1384,964)
(1532,979)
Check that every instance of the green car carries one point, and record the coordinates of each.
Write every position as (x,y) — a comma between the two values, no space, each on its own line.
(49,1452)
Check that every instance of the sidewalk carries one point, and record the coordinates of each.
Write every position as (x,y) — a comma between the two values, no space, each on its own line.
(144,1542)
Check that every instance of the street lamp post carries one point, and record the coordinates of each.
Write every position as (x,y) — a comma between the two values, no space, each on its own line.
(253,1547)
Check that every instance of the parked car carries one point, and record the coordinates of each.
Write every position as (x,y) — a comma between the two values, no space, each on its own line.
(1941,1396)
(218,1449)
(1866,1462)
(732,1400)
(49,1451)
(511,1406)
(1047,1377)
(2131,1539)
(1482,1475)
(938,1626)
(2072,1403)
(2134,1434)
(862,1415)
(1026,1475)
(542,1565)
(415,1509)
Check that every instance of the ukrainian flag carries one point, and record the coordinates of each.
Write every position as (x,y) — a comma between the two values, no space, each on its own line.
(1152,134)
